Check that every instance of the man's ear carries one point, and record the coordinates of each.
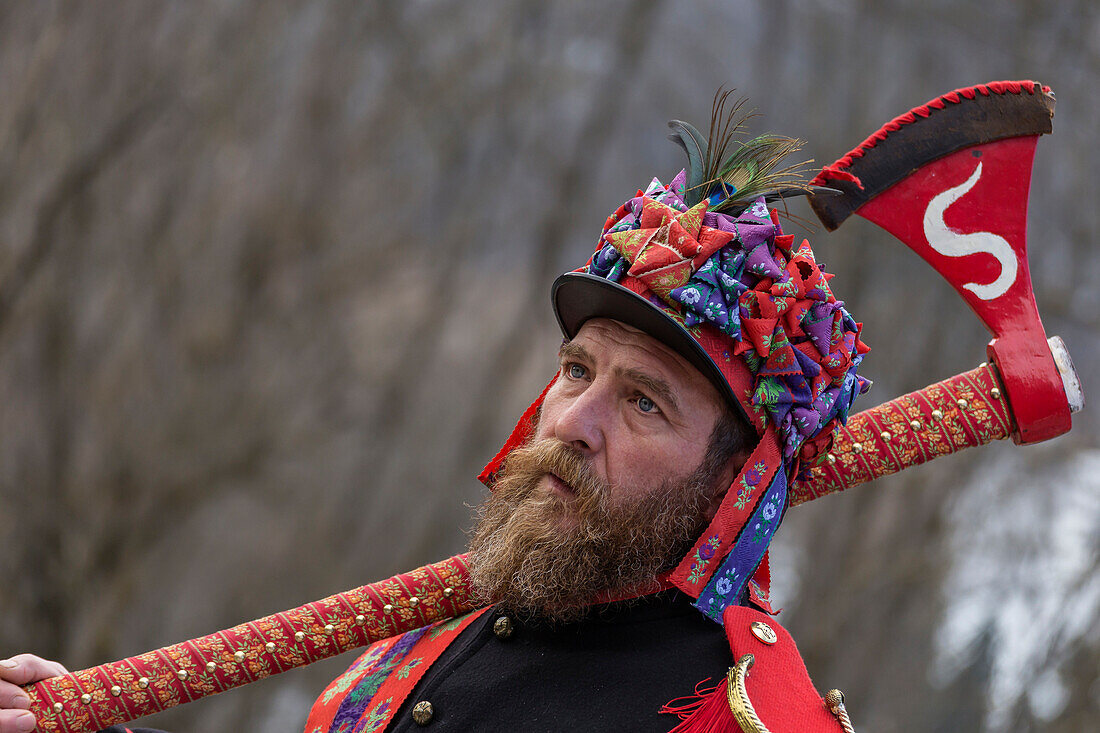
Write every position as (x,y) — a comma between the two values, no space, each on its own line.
(724,480)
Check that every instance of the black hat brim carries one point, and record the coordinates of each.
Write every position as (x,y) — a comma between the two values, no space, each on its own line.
(578,297)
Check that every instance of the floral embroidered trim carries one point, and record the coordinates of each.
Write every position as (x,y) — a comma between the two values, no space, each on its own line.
(728,582)
(746,483)
(703,555)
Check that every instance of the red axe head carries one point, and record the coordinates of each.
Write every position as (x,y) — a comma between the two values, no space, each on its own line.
(950,179)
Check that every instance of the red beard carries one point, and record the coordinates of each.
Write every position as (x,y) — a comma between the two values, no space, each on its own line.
(541,554)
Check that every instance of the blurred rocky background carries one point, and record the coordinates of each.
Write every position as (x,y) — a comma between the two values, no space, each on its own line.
(274,283)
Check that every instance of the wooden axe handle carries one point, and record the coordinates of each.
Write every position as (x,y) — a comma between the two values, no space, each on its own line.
(964,411)
(960,412)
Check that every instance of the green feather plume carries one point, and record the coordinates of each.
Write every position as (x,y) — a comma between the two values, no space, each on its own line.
(752,168)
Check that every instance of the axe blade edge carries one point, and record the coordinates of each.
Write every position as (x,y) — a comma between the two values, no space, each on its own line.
(952,122)
(1071,382)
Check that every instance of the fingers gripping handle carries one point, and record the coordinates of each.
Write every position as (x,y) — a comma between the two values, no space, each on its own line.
(121,691)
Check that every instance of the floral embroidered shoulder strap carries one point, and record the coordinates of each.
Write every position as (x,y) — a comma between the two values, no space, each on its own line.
(365,698)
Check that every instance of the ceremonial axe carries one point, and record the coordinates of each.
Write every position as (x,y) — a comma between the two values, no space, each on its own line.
(949,178)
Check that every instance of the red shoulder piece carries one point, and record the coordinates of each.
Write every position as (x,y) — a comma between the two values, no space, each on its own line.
(768,684)
(778,685)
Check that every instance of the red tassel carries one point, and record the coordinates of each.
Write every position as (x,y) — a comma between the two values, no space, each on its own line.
(707,711)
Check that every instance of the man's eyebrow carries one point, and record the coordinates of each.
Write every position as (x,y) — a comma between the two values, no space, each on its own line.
(570,350)
(656,386)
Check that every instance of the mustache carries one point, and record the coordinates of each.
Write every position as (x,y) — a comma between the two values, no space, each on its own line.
(551,456)
(524,556)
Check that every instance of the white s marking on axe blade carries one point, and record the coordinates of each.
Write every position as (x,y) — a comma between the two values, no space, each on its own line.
(952,243)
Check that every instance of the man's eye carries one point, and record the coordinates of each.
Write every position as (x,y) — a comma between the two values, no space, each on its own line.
(576,371)
(646,405)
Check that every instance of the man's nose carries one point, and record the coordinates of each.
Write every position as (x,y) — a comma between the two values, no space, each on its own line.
(582,422)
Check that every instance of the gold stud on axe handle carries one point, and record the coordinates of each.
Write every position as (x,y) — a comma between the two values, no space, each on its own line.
(951,203)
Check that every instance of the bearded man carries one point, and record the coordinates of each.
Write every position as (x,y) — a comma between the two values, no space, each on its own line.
(705,359)
(633,453)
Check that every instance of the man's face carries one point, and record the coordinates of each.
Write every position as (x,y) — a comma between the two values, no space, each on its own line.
(635,410)
(615,484)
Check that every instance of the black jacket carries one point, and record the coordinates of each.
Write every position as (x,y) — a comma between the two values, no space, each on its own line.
(612,671)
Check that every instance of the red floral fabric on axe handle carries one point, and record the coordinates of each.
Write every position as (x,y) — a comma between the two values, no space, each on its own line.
(964,411)
(117,692)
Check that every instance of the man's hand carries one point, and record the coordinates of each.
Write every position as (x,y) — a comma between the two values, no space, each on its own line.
(22,669)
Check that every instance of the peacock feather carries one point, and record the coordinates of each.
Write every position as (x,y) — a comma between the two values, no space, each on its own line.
(731,173)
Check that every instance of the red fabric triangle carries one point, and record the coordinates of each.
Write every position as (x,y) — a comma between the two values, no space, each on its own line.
(521,433)
(760,586)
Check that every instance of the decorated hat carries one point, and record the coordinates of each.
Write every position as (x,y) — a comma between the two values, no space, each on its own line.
(702,265)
